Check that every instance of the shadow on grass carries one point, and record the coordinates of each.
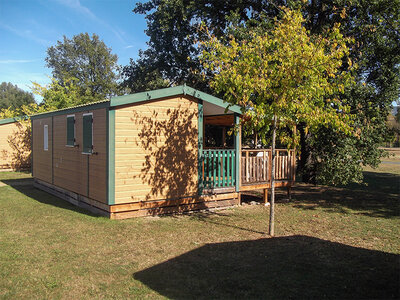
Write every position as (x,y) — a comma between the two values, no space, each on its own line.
(378,182)
(378,197)
(205,217)
(277,268)
(25,186)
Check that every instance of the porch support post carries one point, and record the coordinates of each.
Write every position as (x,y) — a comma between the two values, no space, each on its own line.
(289,193)
(238,146)
(200,127)
(266,197)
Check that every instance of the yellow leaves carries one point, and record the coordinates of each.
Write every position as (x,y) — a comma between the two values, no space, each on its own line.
(284,71)
(343,13)
(349,62)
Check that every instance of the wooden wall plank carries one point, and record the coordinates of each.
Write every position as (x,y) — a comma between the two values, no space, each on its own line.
(69,164)
(156,150)
(42,159)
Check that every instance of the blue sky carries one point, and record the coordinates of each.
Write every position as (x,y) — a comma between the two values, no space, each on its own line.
(29,27)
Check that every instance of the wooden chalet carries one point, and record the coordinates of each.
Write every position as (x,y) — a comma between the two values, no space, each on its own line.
(150,153)
(14,145)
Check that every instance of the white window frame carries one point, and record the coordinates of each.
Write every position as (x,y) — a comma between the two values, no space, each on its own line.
(72,146)
(88,114)
(45,137)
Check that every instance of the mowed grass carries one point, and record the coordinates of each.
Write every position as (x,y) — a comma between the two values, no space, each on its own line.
(330,243)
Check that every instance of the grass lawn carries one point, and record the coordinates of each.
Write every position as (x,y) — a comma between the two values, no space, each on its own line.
(331,243)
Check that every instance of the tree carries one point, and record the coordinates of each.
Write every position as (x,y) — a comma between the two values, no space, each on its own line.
(375,25)
(12,96)
(172,29)
(87,61)
(283,76)
(172,55)
(20,140)
(58,96)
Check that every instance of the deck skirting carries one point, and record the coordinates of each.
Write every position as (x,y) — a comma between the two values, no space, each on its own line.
(91,205)
(143,208)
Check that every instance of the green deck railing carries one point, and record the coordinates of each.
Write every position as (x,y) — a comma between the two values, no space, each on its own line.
(219,167)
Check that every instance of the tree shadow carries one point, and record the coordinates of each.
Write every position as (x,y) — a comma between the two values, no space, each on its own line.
(205,217)
(20,143)
(299,267)
(379,197)
(378,182)
(25,186)
(169,141)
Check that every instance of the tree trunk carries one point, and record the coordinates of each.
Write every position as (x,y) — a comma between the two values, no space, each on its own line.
(272,206)
(304,166)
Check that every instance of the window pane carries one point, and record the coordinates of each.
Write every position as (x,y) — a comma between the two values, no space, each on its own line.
(87,133)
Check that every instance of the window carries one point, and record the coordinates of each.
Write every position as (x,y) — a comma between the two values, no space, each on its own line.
(46,137)
(71,130)
(87,133)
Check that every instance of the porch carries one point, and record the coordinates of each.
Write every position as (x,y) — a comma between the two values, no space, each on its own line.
(224,166)
(220,171)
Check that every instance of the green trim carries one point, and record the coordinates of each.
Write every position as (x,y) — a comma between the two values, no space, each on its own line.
(111,157)
(87,133)
(237,152)
(70,130)
(52,150)
(218,115)
(88,176)
(32,147)
(71,110)
(14,119)
(135,98)
(211,99)
(200,120)
(172,91)
(146,96)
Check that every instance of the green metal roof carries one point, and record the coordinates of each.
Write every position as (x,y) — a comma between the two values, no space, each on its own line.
(74,109)
(172,91)
(12,120)
(142,97)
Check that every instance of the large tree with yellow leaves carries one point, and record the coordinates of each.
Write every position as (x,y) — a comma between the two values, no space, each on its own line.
(283,76)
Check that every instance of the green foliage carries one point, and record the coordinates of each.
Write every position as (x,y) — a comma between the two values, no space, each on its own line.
(12,96)
(20,141)
(285,72)
(57,95)
(88,62)
(140,76)
(23,110)
(172,57)
(172,29)
(375,27)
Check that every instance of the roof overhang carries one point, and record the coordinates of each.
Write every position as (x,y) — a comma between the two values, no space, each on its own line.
(214,105)
(211,105)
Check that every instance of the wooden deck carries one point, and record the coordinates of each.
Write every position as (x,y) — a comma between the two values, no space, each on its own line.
(256,171)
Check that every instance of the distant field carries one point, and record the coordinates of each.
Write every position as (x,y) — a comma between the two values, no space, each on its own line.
(394,154)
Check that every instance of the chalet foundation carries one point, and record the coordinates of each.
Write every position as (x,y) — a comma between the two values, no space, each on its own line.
(143,208)
(158,152)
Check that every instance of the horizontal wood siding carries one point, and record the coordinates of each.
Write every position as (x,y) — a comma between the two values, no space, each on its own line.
(156,151)
(69,165)
(5,150)
(98,161)
(42,159)
(10,158)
